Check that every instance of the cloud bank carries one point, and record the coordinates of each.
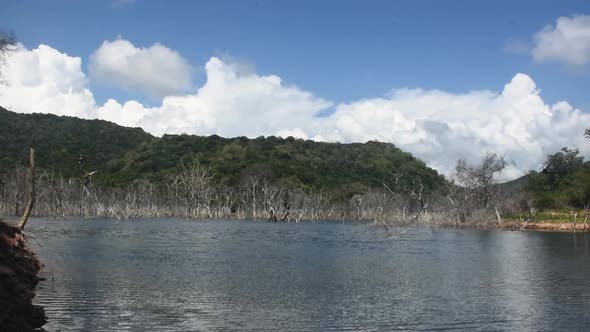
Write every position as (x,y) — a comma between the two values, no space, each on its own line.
(437,126)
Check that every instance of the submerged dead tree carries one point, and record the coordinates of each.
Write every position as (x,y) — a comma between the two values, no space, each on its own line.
(474,194)
(196,187)
(89,197)
(191,191)
(410,194)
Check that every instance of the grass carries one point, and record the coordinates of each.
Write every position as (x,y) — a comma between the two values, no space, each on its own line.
(552,216)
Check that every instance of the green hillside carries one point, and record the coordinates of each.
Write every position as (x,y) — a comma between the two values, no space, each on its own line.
(125,154)
(60,140)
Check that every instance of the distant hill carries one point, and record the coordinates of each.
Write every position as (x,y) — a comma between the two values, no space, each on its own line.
(519,184)
(124,154)
(515,185)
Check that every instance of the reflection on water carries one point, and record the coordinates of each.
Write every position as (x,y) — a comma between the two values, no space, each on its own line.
(174,275)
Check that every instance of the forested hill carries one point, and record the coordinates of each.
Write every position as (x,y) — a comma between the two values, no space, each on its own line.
(122,155)
(60,140)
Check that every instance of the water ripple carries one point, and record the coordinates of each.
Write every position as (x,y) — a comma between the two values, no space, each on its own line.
(177,275)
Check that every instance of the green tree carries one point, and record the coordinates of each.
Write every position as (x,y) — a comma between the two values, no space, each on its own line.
(563,183)
(559,165)
(577,188)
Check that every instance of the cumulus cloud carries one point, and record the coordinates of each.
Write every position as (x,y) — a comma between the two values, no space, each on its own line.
(156,70)
(228,104)
(568,42)
(437,126)
(441,127)
(45,81)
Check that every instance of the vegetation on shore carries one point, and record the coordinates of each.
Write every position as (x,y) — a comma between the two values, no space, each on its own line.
(557,194)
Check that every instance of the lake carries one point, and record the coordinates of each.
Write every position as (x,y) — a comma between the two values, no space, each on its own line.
(177,275)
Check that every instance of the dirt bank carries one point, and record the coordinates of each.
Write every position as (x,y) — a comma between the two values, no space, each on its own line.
(18,278)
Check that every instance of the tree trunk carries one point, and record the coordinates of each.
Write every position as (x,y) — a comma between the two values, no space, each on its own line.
(498,215)
(586,219)
(29,207)
(575,222)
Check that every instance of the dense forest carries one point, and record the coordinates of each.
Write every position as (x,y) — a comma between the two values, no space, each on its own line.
(563,183)
(71,146)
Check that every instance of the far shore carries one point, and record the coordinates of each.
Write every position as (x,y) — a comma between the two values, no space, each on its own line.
(506,225)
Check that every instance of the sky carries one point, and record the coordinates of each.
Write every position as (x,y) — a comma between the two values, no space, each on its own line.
(441,79)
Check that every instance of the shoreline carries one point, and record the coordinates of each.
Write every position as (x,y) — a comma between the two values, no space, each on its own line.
(19,267)
(509,225)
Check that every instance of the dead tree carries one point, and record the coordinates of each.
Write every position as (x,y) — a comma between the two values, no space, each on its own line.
(413,191)
(286,206)
(586,210)
(23,221)
(269,194)
(7,44)
(475,188)
(19,183)
(196,184)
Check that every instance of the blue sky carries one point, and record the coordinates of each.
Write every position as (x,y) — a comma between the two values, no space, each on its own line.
(340,50)
(441,79)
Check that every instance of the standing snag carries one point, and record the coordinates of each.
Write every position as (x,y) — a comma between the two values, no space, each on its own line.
(475,190)
(23,221)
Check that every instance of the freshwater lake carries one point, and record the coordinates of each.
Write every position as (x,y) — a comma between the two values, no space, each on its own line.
(177,275)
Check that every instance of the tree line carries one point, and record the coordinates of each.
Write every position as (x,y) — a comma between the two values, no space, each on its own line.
(191,191)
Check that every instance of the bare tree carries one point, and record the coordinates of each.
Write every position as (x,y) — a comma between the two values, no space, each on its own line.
(412,192)
(481,179)
(197,188)
(586,212)
(474,193)
(7,42)
(7,45)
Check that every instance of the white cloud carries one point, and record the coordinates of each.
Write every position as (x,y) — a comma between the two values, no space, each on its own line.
(437,126)
(567,42)
(441,127)
(45,81)
(156,70)
(228,104)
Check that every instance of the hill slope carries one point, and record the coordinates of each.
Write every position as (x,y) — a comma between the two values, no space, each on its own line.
(60,140)
(124,154)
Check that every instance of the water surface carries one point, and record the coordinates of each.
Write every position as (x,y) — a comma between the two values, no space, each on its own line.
(176,275)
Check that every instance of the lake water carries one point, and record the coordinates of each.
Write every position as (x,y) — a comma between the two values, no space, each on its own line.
(176,275)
